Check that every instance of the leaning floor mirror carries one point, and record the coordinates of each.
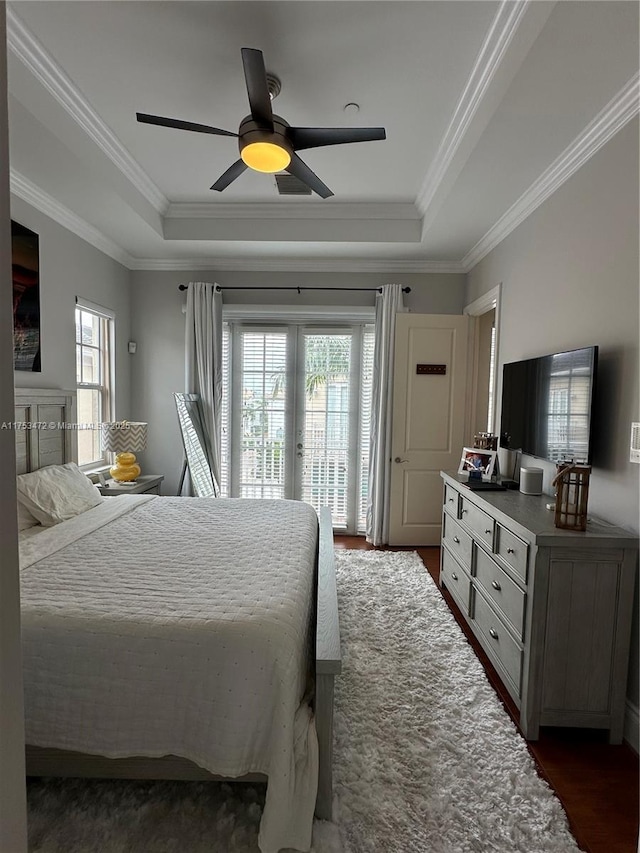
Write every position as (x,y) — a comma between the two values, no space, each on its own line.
(191,422)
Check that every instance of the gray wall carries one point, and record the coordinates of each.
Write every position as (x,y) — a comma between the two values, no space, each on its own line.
(158,329)
(13,807)
(71,267)
(569,278)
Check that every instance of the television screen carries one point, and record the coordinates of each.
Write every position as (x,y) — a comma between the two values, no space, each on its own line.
(547,405)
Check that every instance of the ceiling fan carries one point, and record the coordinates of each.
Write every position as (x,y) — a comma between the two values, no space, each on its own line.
(267,142)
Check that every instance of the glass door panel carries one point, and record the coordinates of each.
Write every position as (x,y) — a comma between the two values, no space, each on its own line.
(323,437)
(262,421)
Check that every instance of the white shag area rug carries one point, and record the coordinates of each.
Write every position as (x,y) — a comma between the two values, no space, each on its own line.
(426,759)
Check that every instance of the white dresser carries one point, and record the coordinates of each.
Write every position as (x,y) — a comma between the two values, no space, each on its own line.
(552,608)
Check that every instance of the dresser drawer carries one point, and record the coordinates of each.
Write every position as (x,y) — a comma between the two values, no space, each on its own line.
(456,580)
(512,550)
(498,642)
(477,520)
(505,593)
(457,540)
(451,500)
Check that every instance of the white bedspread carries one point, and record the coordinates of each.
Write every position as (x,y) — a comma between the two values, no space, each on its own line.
(155,626)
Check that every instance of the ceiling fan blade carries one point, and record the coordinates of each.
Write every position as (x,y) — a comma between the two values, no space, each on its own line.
(182,125)
(255,76)
(300,169)
(229,176)
(316,137)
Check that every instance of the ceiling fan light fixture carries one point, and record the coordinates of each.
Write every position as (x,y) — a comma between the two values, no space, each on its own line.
(265,157)
(267,142)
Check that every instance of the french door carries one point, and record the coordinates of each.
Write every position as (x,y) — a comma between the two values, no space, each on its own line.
(296,408)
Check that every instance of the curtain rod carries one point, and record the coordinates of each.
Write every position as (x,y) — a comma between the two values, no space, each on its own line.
(293,287)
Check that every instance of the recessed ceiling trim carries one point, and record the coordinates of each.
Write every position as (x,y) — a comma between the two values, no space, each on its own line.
(615,115)
(42,201)
(504,25)
(295,229)
(32,194)
(41,64)
(298,265)
(291,210)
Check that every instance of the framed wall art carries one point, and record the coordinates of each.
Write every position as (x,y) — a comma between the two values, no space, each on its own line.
(25,268)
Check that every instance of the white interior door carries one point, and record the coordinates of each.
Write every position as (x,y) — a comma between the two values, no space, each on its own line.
(429,416)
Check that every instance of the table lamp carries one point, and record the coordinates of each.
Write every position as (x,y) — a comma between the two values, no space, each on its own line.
(125,439)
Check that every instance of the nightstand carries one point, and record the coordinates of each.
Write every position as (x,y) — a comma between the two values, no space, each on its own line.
(146,483)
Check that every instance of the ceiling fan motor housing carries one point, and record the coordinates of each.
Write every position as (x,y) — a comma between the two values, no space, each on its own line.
(264,149)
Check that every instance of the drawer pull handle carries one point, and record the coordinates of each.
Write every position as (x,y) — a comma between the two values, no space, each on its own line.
(496,585)
(456,540)
(463,512)
(488,531)
(510,551)
(450,500)
(454,576)
(493,633)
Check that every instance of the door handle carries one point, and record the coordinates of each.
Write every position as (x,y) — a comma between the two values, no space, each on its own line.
(397,459)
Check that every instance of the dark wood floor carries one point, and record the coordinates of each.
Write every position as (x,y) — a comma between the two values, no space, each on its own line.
(596,783)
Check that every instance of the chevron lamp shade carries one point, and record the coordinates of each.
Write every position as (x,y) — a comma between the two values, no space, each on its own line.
(125,439)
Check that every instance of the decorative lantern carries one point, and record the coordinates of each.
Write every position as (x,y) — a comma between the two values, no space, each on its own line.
(572,494)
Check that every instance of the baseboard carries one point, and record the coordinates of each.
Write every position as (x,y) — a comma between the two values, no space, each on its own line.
(631,725)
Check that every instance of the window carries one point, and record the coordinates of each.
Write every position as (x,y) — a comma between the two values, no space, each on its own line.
(94,378)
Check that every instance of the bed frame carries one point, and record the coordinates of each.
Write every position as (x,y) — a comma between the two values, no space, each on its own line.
(48,442)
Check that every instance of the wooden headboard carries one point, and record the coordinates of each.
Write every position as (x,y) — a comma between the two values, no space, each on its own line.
(45,428)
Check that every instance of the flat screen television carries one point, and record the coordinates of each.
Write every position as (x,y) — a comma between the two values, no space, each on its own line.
(547,405)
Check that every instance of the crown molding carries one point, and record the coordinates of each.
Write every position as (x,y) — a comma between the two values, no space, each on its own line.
(298,265)
(32,194)
(616,114)
(33,55)
(504,25)
(292,210)
(42,201)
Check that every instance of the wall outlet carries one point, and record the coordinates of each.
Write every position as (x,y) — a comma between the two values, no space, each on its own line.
(634,455)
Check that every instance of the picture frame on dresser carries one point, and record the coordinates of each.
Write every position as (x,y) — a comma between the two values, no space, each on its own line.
(475,460)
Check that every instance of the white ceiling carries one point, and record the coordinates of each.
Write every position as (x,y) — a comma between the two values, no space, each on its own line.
(488,108)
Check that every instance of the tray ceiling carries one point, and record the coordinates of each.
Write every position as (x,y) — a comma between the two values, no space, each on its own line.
(487,107)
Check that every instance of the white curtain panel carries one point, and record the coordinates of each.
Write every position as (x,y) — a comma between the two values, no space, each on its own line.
(388,304)
(203,362)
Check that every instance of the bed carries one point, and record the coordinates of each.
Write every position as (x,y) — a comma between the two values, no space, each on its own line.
(181,638)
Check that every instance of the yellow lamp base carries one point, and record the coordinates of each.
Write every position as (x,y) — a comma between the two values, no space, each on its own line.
(126,468)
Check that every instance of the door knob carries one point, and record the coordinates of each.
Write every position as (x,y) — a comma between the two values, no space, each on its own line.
(397,459)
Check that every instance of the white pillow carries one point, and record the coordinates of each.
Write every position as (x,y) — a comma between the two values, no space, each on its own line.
(25,518)
(56,493)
